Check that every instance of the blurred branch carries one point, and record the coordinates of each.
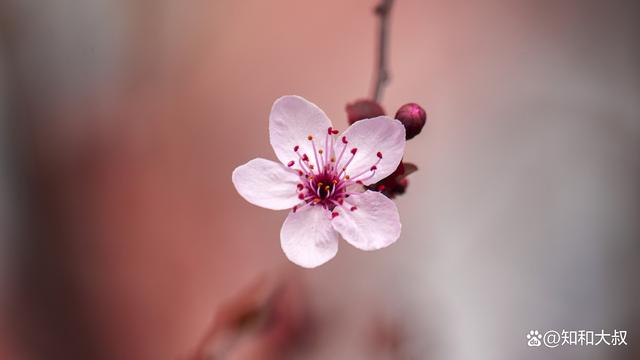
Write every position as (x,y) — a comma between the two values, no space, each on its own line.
(382,74)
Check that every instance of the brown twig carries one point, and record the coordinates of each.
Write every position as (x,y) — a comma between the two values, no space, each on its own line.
(382,74)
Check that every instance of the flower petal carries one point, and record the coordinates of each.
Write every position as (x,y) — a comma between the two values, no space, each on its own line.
(307,237)
(292,120)
(370,136)
(267,184)
(374,224)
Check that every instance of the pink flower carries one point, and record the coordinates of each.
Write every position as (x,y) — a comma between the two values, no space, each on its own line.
(322,181)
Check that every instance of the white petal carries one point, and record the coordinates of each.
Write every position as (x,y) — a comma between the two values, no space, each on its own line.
(370,136)
(292,120)
(373,225)
(267,184)
(307,237)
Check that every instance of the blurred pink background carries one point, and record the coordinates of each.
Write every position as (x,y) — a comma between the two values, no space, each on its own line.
(126,118)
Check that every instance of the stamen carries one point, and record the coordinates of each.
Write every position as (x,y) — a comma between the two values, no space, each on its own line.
(353,155)
(320,151)
(315,151)
(334,214)
(344,147)
(325,159)
(344,140)
(373,168)
(301,162)
(353,208)
(300,187)
(305,157)
(296,148)
(298,207)
(302,165)
(290,164)
(360,180)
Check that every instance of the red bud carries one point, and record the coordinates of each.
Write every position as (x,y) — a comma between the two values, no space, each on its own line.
(363,109)
(413,117)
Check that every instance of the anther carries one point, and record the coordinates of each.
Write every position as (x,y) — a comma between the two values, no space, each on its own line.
(305,157)
(379,154)
(344,140)
(296,148)
(310,137)
(301,196)
(347,177)
(290,164)
(327,188)
(330,130)
(320,151)
(354,150)
(300,173)
(316,200)
(353,208)
(334,181)
(295,207)
(334,214)
(300,187)
(333,159)
(311,166)
(334,131)
(374,168)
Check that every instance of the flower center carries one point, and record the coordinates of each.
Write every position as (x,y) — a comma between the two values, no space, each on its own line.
(324,178)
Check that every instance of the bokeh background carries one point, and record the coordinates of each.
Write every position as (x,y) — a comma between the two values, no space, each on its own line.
(123,237)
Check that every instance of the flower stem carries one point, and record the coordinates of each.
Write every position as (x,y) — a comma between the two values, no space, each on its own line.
(381,76)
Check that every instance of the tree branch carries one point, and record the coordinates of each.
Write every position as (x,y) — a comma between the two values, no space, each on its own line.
(382,74)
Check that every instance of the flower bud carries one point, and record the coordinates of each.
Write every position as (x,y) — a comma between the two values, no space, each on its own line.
(363,109)
(413,117)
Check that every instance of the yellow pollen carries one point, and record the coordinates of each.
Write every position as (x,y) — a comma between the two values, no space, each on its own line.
(320,184)
(316,200)
(335,182)
(326,188)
